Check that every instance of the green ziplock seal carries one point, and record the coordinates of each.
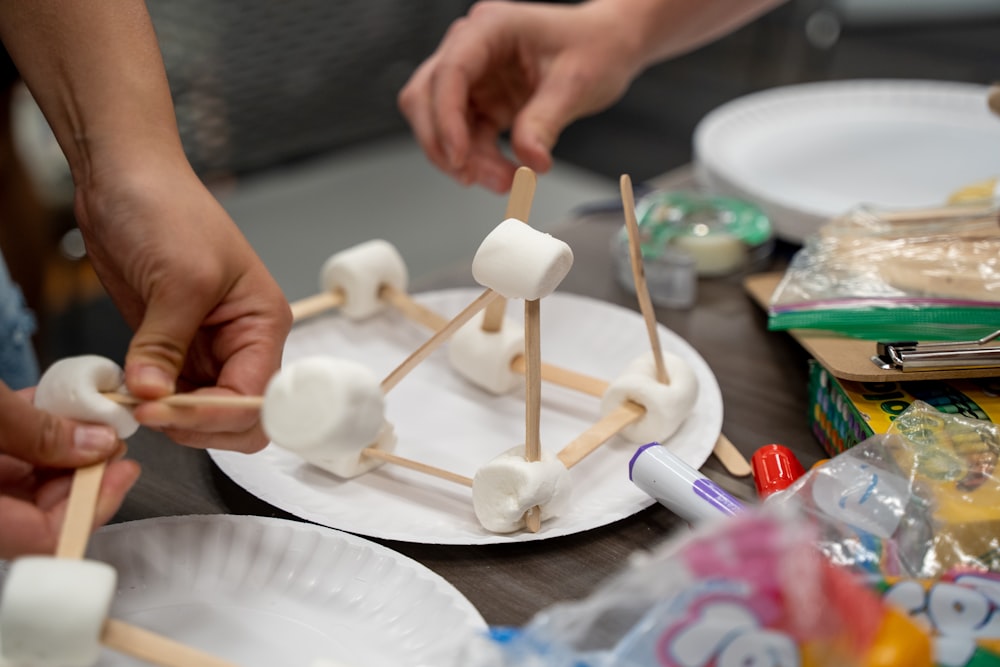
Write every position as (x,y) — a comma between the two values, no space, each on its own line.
(898,323)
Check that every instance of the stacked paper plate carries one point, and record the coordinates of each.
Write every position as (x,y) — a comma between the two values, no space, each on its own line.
(808,152)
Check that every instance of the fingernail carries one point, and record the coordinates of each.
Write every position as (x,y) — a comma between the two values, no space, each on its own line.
(155,380)
(95,439)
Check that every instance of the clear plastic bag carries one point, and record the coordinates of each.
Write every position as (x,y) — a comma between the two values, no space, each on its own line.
(874,273)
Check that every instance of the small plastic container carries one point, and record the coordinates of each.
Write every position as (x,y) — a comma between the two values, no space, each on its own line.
(686,235)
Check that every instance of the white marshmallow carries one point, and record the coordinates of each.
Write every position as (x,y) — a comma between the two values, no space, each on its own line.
(521,262)
(360,272)
(667,405)
(508,486)
(327,411)
(484,358)
(54,609)
(72,388)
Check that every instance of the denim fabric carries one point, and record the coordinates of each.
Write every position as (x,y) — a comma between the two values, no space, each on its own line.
(18,366)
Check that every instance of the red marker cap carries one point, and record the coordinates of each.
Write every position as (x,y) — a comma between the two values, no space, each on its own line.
(774,469)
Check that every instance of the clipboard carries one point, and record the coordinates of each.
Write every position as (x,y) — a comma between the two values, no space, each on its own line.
(850,358)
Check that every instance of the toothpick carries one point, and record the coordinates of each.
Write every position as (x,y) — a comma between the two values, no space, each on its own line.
(439,337)
(389,457)
(639,276)
(533,397)
(522,192)
(603,430)
(156,649)
(80,510)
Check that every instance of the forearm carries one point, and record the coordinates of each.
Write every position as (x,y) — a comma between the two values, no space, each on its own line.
(663,29)
(95,69)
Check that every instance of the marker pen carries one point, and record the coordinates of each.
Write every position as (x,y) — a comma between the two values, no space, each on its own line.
(679,487)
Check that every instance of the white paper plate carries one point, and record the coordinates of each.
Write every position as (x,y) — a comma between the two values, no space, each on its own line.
(265,592)
(809,152)
(443,421)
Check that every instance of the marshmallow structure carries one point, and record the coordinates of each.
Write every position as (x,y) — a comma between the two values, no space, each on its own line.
(360,272)
(54,609)
(667,405)
(520,262)
(72,387)
(327,411)
(484,358)
(508,486)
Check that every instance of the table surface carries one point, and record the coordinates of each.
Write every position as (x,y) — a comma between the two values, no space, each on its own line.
(763,377)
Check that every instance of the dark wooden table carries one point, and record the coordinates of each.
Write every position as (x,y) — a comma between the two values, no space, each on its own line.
(763,377)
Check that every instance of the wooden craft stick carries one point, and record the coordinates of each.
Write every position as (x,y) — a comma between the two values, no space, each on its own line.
(603,430)
(439,337)
(316,304)
(156,649)
(533,397)
(191,400)
(80,508)
(389,457)
(993,98)
(639,276)
(731,458)
(522,193)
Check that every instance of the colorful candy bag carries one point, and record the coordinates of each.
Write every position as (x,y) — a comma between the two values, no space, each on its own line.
(918,510)
(751,590)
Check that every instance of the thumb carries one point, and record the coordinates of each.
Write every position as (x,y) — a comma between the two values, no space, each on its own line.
(42,439)
(159,347)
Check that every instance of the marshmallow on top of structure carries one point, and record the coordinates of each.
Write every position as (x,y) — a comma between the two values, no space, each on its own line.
(484,358)
(72,388)
(53,611)
(328,410)
(360,272)
(508,486)
(520,262)
(667,405)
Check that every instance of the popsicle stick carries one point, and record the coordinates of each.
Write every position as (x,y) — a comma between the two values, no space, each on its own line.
(191,400)
(533,397)
(439,337)
(993,98)
(389,457)
(80,508)
(522,193)
(156,649)
(731,458)
(316,304)
(639,276)
(603,430)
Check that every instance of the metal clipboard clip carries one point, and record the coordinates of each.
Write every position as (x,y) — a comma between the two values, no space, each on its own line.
(909,356)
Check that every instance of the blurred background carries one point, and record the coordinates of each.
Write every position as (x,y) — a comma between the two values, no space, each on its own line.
(288,110)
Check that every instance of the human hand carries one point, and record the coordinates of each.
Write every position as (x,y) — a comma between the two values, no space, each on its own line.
(207,315)
(38,453)
(531,68)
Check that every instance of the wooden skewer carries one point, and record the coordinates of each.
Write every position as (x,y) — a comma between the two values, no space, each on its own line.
(80,509)
(416,465)
(439,337)
(316,304)
(533,397)
(522,193)
(156,649)
(416,312)
(603,430)
(639,276)
(191,400)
